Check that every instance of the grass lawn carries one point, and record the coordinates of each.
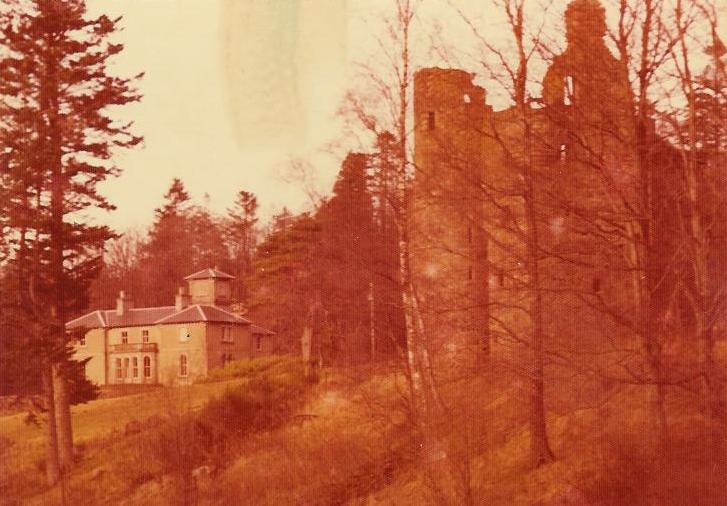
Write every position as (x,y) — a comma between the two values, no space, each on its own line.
(99,428)
(99,417)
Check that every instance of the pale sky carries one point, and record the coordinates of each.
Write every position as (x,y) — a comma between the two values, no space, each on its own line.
(235,89)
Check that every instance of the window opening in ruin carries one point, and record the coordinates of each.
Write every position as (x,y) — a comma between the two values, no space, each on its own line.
(430,120)
(568,91)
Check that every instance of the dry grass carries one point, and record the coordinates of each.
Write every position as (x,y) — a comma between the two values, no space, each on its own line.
(355,446)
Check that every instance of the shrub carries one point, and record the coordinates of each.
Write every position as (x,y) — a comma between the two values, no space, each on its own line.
(213,435)
(250,367)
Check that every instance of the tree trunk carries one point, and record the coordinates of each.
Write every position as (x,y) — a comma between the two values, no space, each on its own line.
(713,389)
(63,418)
(539,445)
(52,464)
(407,297)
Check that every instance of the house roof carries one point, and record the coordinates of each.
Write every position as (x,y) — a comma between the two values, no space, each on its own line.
(203,313)
(256,329)
(156,316)
(210,273)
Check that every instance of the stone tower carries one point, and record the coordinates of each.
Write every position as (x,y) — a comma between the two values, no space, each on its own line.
(447,242)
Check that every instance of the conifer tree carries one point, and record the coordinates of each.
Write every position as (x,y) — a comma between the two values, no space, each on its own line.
(58,141)
(241,235)
(347,243)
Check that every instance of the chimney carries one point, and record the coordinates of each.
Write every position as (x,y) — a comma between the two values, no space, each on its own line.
(182,299)
(123,304)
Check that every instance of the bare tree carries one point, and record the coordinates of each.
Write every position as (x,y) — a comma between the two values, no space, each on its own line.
(698,130)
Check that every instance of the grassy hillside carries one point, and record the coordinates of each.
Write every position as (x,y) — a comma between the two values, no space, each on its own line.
(114,459)
(263,433)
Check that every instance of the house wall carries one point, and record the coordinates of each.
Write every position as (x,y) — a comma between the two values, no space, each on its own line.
(244,345)
(204,350)
(172,347)
(95,349)
(134,339)
(210,291)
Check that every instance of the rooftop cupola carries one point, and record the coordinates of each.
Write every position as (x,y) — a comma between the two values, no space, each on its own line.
(210,286)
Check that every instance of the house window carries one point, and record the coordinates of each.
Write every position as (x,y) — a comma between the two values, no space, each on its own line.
(467,98)
(227,335)
(430,120)
(147,367)
(135,367)
(82,341)
(469,273)
(124,337)
(119,372)
(184,334)
(562,153)
(144,336)
(259,343)
(183,366)
(126,368)
(226,358)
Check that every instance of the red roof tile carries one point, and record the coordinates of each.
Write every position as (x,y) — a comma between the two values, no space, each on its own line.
(156,315)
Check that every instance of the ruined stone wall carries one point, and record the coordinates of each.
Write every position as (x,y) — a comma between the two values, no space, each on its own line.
(447,240)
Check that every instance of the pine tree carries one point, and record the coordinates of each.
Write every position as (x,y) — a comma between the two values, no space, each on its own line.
(284,284)
(241,235)
(183,239)
(167,256)
(347,244)
(58,141)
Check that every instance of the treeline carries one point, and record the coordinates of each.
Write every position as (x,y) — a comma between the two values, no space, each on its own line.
(331,272)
